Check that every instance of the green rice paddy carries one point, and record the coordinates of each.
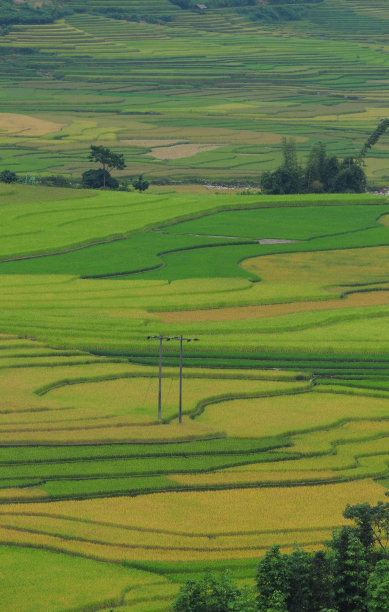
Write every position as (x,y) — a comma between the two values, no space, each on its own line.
(285,395)
(285,392)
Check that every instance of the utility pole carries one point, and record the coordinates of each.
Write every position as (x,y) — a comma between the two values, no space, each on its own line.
(161,338)
(181,339)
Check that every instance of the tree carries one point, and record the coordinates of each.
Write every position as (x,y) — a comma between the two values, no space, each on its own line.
(7,176)
(108,159)
(140,184)
(351,178)
(373,139)
(96,179)
(214,594)
(289,153)
(314,171)
(350,571)
(272,575)
(372,524)
(378,588)
(299,599)
(321,582)
(277,603)
(282,181)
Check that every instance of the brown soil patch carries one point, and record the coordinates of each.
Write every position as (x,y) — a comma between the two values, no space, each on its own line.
(24,125)
(373,298)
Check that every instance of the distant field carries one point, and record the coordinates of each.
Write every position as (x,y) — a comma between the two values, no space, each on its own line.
(193,96)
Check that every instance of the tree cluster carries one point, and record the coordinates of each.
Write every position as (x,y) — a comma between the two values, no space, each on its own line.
(322,173)
(351,575)
(24,12)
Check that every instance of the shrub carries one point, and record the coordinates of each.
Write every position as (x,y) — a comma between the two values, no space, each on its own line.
(94,179)
(7,176)
(140,184)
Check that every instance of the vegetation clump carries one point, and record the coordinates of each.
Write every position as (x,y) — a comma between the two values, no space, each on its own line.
(7,176)
(322,173)
(38,12)
(101,178)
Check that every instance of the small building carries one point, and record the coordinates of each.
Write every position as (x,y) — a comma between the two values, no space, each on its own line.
(201,8)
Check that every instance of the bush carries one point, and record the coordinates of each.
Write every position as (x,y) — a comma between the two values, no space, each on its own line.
(218,594)
(140,184)
(94,179)
(7,176)
(56,180)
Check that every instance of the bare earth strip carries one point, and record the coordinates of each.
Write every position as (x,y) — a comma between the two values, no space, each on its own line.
(374,298)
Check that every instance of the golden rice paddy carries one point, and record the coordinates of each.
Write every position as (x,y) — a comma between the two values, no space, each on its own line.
(268,416)
(376,298)
(343,266)
(187,526)
(26,125)
(181,150)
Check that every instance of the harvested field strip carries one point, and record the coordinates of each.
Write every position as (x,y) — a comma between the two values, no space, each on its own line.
(350,300)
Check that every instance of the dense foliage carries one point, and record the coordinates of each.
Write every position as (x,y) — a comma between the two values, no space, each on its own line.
(352,575)
(272,11)
(322,173)
(26,12)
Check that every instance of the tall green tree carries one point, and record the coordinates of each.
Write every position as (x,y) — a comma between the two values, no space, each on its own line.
(315,168)
(321,582)
(272,575)
(276,603)
(372,525)
(378,588)
(350,571)
(299,599)
(289,153)
(108,159)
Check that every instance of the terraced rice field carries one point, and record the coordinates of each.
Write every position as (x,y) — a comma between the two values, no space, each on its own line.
(285,395)
(222,87)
